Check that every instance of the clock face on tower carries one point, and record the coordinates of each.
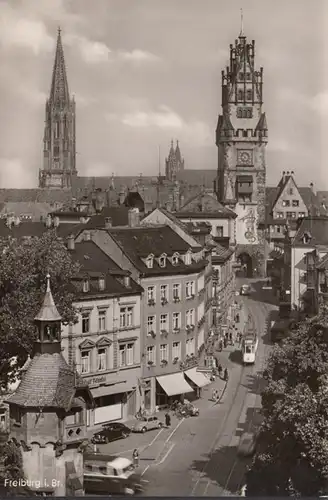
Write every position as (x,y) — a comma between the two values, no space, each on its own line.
(244,157)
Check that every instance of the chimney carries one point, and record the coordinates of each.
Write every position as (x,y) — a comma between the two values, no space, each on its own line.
(71,242)
(48,221)
(134,217)
(56,221)
(127,281)
(108,222)
(122,195)
(87,236)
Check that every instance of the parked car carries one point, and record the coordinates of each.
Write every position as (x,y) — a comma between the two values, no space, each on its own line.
(147,424)
(247,444)
(245,290)
(111,432)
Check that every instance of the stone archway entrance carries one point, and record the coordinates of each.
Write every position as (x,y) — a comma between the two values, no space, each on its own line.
(246,263)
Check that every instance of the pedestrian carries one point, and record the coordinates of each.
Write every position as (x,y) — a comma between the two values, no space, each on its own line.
(237,318)
(135,457)
(220,370)
(230,337)
(214,395)
(220,345)
(167,419)
(225,342)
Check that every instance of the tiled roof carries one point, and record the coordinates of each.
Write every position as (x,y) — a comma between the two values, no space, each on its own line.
(197,178)
(48,311)
(30,228)
(204,205)
(47,382)
(95,264)
(262,124)
(51,196)
(119,216)
(221,254)
(323,263)
(316,227)
(140,242)
(20,208)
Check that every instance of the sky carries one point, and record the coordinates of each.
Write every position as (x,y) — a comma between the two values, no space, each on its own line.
(144,72)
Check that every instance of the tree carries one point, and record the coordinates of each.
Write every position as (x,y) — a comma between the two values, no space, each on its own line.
(23,269)
(292,456)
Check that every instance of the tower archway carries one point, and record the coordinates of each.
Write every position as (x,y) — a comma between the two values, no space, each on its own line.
(246,263)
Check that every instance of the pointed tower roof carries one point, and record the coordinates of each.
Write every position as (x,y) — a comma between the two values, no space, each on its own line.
(262,124)
(59,86)
(172,152)
(48,311)
(178,152)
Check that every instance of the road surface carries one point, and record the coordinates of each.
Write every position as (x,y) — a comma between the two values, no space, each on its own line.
(198,457)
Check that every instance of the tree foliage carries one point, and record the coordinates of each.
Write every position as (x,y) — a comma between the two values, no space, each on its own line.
(292,453)
(23,270)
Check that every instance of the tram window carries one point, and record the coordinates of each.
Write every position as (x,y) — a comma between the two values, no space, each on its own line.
(248,349)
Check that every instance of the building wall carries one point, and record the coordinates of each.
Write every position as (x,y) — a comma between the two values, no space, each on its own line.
(224,291)
(227,226)
(189,342)
(298,270)
(109,336)
(290,202)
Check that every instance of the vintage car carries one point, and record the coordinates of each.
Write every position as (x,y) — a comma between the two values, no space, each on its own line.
(111,432)
(147,424)
(106,474)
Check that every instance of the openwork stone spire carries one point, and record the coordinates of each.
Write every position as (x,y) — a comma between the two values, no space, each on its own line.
(59,93)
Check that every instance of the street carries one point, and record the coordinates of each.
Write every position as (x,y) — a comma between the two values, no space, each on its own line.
(199,457)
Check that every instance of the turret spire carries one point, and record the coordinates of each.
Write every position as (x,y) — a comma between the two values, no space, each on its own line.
(48,311)
(241,23)
(59,87)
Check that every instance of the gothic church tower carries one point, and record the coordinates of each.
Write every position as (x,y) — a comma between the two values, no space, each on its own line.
(241,139)
(174,163)
(59,152)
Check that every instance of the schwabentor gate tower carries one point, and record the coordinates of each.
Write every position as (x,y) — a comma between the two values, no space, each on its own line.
(241,138)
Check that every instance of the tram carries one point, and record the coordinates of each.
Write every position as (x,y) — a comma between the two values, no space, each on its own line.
(249,348)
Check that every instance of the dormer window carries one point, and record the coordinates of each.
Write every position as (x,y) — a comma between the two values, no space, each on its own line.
(187,259)
(101,284)
(162,260)
(175,259)
(86,286)
(150,262)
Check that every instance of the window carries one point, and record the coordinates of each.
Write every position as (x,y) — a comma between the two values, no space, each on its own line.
(301,214)
(290,191)
(151,354)
(248,76)
(56,151)
(190,346)
(151,324)
(219,231)
(280,215)
(86,286)
(240,95)
(126,354)
(176,291)
(164,353)
(286,203)
(126,317)
(291,215)
(101,283)
(241,76)
(85,361)
(163,291)
(175,259)
(295,203)
(102,321)
(16,414)
(85,322)
(57,130)
(164,322)
(249,95)
(101,359)
(162,261)
(150,262)
(176,317)
(190,317)
(187,259)
(176,350)
(190,289)
(151,293)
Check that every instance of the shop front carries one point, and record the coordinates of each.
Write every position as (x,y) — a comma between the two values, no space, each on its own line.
(197,380)
(170,388)
(115,400)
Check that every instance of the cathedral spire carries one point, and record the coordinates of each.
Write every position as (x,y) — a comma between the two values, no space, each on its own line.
(241,34)
(59,87)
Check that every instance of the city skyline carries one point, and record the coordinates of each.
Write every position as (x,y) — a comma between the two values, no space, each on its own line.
(146,72)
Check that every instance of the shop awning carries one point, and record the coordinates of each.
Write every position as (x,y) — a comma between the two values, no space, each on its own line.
(174,384)
(108,390)
(197,378)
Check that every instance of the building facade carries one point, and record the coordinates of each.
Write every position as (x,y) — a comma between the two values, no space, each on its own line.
(59,151)
(241,139)
(172,274)
(104,345)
